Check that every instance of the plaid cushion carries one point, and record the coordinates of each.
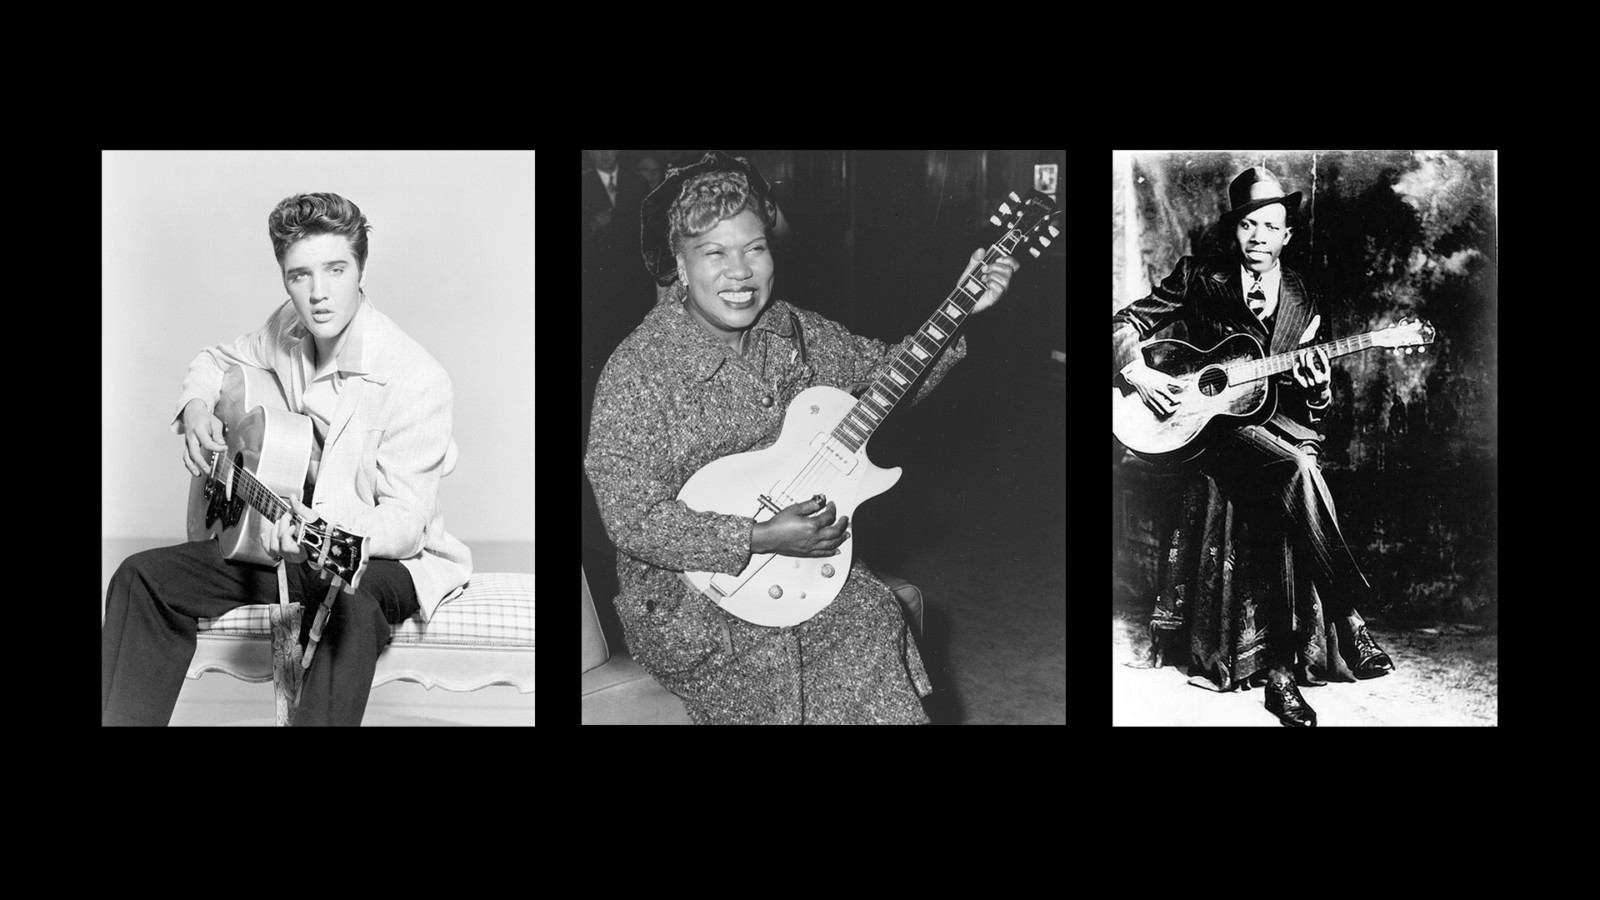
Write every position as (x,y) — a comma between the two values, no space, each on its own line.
(495,610)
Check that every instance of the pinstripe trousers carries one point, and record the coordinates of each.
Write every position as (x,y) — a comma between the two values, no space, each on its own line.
(1283,483)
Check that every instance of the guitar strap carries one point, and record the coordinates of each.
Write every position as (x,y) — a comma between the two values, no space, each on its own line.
(283,586)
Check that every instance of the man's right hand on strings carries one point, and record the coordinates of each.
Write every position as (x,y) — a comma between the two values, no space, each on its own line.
(1158,391)
(202,432)
(804,529)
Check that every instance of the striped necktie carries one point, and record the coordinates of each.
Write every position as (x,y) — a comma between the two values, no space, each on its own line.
(1258,300)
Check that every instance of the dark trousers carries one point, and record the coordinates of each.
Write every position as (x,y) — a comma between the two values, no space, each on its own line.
(155,598)
(1281,483)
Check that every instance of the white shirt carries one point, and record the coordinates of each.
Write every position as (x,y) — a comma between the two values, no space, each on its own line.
(320,385)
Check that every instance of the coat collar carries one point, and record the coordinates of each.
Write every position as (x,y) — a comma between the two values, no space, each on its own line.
(670,328)
(363,353)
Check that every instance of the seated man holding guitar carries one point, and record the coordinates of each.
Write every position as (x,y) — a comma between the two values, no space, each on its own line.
(1251,429)
(738,590)
(317,443)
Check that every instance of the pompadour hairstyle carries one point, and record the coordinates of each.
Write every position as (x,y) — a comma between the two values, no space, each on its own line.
(309,215)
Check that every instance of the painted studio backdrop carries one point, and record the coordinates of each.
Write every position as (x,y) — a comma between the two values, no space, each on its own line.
(1411,450)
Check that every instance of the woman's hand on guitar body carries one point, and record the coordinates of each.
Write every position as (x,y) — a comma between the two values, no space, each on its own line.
(202,432)
(804,529)
(1156,390)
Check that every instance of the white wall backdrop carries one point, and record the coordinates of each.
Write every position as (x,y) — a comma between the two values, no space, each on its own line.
(186,263)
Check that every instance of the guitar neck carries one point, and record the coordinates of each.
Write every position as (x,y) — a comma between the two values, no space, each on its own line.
(254,492)
(908,364)
(1281,362)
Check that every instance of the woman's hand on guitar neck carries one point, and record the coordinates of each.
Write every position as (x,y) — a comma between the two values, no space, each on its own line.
(804,529)
(1156,390)
(996,277)
(202,432)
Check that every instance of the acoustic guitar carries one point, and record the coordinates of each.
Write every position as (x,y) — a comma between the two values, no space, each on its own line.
(1225,387)
(822,450)
(269,456)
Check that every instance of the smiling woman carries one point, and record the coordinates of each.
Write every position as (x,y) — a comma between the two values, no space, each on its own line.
(708,373)
(727,273)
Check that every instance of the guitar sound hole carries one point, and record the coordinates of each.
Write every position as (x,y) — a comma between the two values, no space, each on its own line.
(1212,381)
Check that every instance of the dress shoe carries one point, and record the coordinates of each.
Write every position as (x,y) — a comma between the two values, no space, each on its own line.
(1285,702)
(1371,661)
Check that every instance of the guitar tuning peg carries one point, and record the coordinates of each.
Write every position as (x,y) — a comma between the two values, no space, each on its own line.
(1054,231)
(1044,241)
(1014,197)
(1005,208)
(1034,251)
(995,219)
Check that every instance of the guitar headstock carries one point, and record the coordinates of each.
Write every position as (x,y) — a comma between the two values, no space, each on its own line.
(1409,333)
(346,553)
(1027,222)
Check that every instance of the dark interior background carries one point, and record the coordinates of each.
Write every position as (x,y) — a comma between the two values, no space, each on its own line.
(876,239)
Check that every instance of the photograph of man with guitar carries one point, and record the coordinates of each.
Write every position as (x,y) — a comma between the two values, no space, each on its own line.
(1242,399)
(727,461)
(315,445)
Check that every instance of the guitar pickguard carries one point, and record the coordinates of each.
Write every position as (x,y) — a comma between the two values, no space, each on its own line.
(220,506)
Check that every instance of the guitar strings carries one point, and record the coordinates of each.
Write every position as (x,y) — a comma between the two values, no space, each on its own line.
(1254,369)
(817,473)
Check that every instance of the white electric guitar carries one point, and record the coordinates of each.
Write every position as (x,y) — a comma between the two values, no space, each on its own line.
(822,449)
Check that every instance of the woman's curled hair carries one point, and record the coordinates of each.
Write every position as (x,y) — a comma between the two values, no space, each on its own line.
(710,197)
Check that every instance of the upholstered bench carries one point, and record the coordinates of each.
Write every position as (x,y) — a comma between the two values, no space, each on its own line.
(484,636)
(618,691)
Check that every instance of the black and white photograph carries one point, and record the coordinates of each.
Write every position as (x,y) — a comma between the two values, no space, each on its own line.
(1304,455)
(317,371)
(823,437)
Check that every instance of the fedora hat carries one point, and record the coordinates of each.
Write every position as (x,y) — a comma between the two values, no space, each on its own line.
(653,238)
(1256,187)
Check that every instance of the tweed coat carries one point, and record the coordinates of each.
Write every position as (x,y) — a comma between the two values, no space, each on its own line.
(388,442)
(1207,294)
(671,399)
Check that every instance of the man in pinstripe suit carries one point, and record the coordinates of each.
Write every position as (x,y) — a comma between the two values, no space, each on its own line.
(1274,465)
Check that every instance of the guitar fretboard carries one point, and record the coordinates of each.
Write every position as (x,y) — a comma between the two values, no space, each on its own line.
(1250,370)
(254,492)
(908,365)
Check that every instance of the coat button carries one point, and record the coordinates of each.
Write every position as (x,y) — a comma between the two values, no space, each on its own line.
(766,400)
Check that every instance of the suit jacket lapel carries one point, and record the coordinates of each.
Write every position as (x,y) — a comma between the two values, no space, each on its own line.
(1229,288)
(1294,313)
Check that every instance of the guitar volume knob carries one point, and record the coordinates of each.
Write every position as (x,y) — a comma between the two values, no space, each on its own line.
(827,571)
(774,592)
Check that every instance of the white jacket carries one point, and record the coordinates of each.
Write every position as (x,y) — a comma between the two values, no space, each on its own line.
(388,442)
